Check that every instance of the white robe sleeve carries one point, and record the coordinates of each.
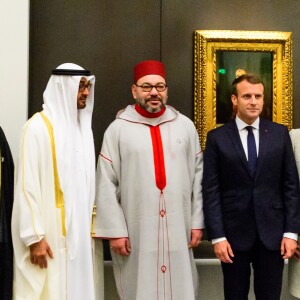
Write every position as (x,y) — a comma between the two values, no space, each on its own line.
(28,198)
(197,202)
(110,221)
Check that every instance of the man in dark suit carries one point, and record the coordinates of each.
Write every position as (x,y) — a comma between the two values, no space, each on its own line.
(251,195)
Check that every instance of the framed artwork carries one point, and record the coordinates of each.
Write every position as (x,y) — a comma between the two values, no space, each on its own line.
(222,55)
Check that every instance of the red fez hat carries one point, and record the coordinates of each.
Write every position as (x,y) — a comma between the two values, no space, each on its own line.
(149,67)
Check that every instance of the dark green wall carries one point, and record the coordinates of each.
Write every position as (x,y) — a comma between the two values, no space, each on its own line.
(109,37)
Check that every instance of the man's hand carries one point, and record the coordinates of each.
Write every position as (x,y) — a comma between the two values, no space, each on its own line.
(288,247)
(39,252)
(121,246)
(223,251)
(196,236)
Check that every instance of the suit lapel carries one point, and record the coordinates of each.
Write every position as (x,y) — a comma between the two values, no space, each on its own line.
(264,133)
(237,143)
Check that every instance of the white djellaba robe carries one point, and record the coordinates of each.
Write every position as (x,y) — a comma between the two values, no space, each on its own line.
(70,274)
(134,199)
(294,265)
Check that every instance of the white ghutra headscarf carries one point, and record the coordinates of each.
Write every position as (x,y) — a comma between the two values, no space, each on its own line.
(60,106)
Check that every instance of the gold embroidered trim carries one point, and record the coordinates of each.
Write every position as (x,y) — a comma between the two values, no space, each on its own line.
(59,197)
(93,233)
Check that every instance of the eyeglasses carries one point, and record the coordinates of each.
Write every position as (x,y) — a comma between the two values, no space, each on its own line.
(83,86)
(146,87)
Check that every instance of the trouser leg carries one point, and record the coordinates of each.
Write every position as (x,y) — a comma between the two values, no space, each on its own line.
(236,276)
(268,268)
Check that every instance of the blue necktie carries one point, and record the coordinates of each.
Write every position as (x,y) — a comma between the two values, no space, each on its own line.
(252,154)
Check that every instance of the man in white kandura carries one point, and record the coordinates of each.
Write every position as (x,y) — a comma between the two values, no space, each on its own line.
(54,193)
(149,201)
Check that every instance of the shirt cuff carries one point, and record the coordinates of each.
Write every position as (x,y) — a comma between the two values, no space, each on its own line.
(221,239)
(291,235)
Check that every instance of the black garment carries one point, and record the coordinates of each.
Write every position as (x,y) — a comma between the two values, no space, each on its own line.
(6,204)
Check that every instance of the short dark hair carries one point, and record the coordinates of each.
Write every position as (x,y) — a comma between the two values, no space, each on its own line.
(251,78)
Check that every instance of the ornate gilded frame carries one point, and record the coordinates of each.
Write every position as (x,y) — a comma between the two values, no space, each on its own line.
(206,45)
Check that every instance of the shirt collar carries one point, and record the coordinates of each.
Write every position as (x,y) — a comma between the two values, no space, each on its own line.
(242,125)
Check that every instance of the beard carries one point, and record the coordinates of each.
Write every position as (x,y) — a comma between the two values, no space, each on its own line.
(144,104)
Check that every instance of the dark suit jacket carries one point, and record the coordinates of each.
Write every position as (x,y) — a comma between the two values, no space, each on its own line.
(239,207)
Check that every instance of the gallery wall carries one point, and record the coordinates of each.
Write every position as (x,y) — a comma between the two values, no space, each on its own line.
(14,32)
(109,37)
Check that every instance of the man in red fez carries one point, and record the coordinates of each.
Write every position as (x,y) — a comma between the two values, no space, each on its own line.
(149,198)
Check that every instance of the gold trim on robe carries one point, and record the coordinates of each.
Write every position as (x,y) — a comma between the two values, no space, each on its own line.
(59,197)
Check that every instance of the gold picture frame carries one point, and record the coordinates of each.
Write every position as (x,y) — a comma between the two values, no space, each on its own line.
(214,48)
